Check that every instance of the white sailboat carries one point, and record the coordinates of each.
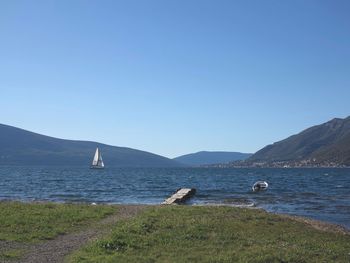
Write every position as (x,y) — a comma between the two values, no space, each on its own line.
(97,162)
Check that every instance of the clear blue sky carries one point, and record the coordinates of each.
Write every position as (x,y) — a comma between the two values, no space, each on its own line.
(173,77)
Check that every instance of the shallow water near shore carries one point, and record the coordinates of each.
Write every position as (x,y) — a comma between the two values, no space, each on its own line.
(322,194)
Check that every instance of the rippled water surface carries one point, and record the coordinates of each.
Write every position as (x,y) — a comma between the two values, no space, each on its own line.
(318,193)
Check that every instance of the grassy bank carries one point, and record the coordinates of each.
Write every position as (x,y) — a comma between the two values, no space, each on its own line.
(172,234)
(215,234)
(23,222)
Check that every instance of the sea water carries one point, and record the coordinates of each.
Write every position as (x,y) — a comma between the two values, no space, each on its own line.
(322,194)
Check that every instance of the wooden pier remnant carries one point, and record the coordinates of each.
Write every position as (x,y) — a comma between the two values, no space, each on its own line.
(180,196)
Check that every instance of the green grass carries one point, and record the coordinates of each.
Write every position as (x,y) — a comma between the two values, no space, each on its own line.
(215,234)
(23,222)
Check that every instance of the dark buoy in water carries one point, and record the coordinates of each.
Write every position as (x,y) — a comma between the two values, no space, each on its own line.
(260,186)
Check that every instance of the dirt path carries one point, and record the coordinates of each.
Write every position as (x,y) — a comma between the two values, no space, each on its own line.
(56,249)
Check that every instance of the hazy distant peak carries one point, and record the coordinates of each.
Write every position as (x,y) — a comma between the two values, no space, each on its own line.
(211,157)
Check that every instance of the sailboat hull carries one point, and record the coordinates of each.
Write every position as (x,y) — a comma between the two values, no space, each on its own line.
(96,167)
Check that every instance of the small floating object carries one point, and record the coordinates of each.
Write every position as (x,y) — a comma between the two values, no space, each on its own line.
(260,185)
(93,204)
(180,196)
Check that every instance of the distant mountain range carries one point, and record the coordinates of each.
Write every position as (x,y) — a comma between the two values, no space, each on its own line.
(327,144)
(207,158)
(21,147)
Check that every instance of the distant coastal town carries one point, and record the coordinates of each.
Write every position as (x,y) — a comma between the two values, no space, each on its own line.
(308,163)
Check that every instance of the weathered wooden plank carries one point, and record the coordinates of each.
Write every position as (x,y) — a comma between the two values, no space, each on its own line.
(180,196)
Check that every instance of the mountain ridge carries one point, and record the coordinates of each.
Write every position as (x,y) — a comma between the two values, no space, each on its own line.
(324,144)
(21,147)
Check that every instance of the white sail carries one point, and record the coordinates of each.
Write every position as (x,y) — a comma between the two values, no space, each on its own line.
(100,161)
(97,162)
